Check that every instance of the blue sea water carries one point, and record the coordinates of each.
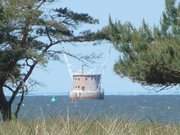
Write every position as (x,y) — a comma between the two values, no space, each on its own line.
(164,108)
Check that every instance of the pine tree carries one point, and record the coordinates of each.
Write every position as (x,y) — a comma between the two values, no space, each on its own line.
(23,24)
(149,55)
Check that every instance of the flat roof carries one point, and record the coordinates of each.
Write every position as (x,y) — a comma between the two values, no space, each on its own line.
(74,75)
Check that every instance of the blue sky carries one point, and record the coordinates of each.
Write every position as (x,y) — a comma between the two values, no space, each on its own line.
(55,79)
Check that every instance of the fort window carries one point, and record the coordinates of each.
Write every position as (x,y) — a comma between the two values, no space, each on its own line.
(83,88)
(86,78)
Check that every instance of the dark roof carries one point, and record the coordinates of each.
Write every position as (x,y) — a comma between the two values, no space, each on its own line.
(86,75)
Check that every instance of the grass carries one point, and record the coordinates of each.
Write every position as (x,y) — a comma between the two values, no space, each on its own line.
(62,126)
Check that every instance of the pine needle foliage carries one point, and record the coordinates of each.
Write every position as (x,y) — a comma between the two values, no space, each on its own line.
(27,36)
(149,55)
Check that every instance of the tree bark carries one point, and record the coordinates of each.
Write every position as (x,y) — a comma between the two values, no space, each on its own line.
(5,107)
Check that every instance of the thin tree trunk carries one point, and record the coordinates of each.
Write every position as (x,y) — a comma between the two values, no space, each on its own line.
(19,105)
(5,107)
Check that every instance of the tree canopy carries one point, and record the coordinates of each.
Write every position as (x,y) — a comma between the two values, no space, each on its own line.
(149,55)
(27,35)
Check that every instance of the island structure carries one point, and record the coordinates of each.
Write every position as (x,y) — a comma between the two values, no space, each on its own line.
(86,86)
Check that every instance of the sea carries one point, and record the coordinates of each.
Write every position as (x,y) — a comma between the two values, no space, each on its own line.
(152,108)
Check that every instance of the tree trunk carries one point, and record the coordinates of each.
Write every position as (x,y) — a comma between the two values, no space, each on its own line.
(5,106)
(6,113)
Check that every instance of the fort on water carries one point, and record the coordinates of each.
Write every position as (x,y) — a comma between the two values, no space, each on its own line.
(86,86)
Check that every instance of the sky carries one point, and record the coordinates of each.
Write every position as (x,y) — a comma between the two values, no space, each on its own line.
(54,78)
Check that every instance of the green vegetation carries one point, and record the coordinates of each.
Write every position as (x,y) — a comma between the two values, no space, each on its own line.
(28,35)
(86,127)
(149,55)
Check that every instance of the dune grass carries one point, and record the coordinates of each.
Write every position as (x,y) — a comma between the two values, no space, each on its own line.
(62,126)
